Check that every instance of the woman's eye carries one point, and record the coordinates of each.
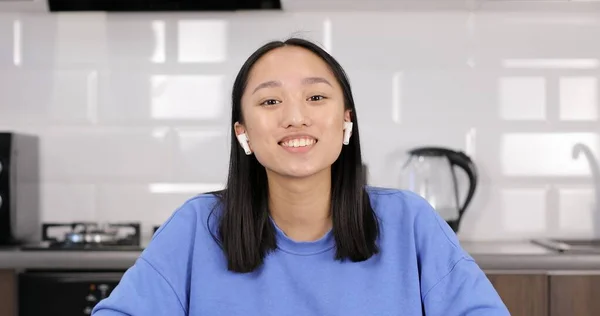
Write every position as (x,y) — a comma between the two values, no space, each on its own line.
(316,98)
(269,102)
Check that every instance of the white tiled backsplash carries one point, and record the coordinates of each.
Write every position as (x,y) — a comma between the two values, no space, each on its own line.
(133,109)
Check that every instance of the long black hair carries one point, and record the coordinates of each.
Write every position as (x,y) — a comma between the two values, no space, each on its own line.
(245,231)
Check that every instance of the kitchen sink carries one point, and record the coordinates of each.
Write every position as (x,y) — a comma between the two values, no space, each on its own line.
(581,246)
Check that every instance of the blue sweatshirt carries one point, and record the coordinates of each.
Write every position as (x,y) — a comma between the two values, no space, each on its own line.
(421,270)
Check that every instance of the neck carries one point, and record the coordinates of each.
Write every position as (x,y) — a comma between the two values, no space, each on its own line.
(301,207)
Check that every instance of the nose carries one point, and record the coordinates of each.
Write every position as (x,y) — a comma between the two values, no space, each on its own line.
(295,113)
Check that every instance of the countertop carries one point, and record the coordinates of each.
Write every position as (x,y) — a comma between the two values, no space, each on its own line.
(512,256)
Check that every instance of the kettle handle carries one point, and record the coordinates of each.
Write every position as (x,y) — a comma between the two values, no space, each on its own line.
(460,159)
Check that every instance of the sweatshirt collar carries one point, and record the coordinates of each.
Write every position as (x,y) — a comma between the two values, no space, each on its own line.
(304,248)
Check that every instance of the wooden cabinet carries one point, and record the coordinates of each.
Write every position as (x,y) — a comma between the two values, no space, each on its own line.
(574,295)
(8,298)
(552,294)
(523,294)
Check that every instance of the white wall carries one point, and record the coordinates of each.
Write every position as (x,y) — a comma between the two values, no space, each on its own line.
(133,109)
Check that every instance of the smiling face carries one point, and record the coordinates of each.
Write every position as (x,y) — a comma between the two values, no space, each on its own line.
(293,109)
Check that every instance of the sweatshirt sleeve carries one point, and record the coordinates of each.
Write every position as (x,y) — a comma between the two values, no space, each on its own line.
(159,281)
(465,290)
(452,284)
(142,291)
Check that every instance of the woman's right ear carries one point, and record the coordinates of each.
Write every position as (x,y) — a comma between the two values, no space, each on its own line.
(242,138)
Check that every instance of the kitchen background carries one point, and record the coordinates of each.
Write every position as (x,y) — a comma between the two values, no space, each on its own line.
(132,110)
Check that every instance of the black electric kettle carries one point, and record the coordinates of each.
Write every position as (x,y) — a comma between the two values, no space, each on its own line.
(430,172)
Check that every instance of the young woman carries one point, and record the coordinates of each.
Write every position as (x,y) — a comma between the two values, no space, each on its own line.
(297,231)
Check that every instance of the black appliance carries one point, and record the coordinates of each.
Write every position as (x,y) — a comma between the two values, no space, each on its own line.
(431,173)
(162,5)
(74,292)
(65,293)
(88,236)
(19,170)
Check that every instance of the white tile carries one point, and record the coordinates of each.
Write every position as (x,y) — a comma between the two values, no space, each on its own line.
(46,97)
(528,40)
(135,40)
(62,39)
(80,38)
(446,99)
(7,40)
(124,98)
(377,96)
(249,30)
(17,43)
(522,98)
(201,156)
(188,97)
(397,89)
(484,218)
(105,155)
(407,40)
(578,98)
(159,54)
(551,63)
(545,154)
(39,38)
(67,202)
(202,41)
(524,210)
(184,187)
(149,99)
(576,207)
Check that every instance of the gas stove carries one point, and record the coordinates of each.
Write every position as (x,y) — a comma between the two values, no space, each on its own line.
(88,236)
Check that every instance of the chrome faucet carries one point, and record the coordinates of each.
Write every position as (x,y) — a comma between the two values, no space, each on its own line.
(594,164)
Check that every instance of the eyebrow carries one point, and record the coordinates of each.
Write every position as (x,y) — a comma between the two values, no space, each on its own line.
(308,80)
(313,80)
(267,84)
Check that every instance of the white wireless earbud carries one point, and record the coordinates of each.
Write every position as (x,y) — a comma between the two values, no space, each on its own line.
(243,140)
(347,132)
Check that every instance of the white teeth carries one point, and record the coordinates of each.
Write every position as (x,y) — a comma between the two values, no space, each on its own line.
(298,142)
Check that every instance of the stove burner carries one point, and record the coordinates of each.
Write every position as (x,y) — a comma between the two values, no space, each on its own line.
(88,236)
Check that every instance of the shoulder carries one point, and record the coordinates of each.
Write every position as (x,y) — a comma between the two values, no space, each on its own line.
(393,197)
(415,219)
(391,203)
(198,205)
(190,214)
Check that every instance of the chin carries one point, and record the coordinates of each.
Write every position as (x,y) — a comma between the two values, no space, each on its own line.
(299,172)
